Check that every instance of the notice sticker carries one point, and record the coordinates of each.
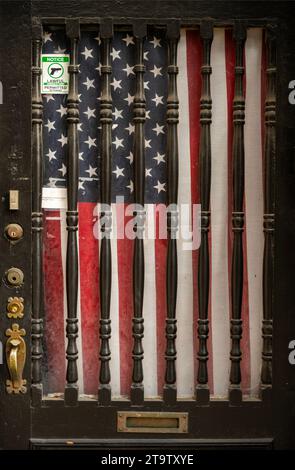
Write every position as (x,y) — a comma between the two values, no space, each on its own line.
(55,75)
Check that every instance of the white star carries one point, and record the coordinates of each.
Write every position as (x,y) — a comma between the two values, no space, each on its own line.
(115,54)
(130,128)
(118,142)
(160,158)
(145,85)
(129,99)
(158,99)
(147,114)
(62,110)
(79,97)
(160,187)
(90,142)
(118,172)
(59,50)
(130,157)
(130,186)
(156,42)
(49,98)
(99,68)
(50,125)
(158,129)
(129,70)
(89,83)
(51,155)
(118,113)
(156,71)
(87,53)
(114,126)
(80,186)
(52,183)
(98,39)
(91,171)
(145,55)
(80,124)
(80,156)
(148,172)
(47,37)
(128,40)
(63,169)
(63,140)
(90,112)
(147,143)
(116,84)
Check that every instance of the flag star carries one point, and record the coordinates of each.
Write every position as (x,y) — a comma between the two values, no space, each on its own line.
(98,39)
(148,172)
(62,110)
(89,83)
(99,68)
(50,125)
(116,84)
(87,53)
(145,55)
(130,128)
(118,113)
(147,114)
(156,71)
(115,54)
(63,140)
(59,50)
(145,85)
(80,124)
(158,99)
(118,142)
(79,97)
(51,155)
(63,169)
(81,156)
(147,143)
(129,99)
(130,186)
(129,40)
(90,112)
(49,98)
(114,126)
(158,129)
(118,172)
(160,187)
(80,186)
(47,37)
(156,42)
(52,183)
(90,142)
(91,171)
(130,157)
(129,70)
(160,158)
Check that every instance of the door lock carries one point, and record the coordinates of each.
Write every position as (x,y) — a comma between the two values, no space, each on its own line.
(14,232)
(15,277)
(15,307)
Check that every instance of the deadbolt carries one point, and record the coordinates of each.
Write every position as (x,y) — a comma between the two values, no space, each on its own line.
(14,231)
(15,277)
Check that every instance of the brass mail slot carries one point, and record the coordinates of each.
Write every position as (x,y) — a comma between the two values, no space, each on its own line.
(152,422)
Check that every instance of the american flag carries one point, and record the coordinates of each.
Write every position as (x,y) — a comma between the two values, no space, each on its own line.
(54,204)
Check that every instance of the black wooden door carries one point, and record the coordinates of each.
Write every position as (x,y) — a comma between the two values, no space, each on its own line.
(30,417)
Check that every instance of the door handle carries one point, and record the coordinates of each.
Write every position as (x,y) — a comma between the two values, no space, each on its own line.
(16,358)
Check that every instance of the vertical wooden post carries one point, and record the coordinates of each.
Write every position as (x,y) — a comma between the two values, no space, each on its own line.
(71,390)
(269,216)
(106,33)
(202,390)
(137,389)
(37,222)
(235,394)
(170,392)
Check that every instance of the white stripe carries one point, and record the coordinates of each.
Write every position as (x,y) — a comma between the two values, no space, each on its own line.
(150,311)
(54,198)
(219,218)
(114,314)
(254,198)
(63,247)
(184,308)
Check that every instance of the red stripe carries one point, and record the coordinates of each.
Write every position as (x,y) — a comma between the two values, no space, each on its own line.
(54,302)
(89,296)
(125,256)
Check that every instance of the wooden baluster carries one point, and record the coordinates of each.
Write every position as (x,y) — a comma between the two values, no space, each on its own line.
(137,389)
(235,394)
(202,390)
(170,392)
(71,390)
(269,216)
(37,222)
(106,33)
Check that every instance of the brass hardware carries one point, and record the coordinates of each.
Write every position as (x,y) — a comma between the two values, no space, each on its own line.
(15,357)
(152,422)
(15,307)
(14,232)
(14,199)
(15,277)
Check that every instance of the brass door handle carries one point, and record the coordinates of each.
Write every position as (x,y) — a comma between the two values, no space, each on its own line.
(16,358)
